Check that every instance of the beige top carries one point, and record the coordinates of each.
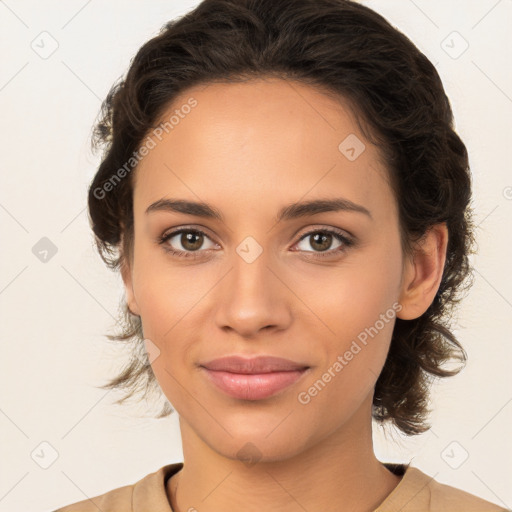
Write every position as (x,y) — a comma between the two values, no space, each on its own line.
(416,492)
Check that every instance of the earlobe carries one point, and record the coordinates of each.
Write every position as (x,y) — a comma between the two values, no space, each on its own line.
(423,273)
(128,287)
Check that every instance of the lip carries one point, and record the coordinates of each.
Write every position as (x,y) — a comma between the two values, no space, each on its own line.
(254,378)
(259,364)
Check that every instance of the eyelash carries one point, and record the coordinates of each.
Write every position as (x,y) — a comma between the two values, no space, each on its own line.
(347,242)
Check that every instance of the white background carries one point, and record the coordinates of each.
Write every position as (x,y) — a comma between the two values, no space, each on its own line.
(55,314)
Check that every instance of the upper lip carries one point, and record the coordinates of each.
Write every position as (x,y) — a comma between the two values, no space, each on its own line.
(260,364)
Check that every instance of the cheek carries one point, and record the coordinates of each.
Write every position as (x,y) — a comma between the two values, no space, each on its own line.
(354,360)
(166,308)
(158,298)
(359,305)
(165,322)
(164,291)
(169,303)
(353,297)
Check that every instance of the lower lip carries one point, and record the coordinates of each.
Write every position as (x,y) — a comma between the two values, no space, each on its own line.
(253,386)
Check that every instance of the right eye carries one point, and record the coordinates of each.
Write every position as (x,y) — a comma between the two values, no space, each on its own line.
(191,240)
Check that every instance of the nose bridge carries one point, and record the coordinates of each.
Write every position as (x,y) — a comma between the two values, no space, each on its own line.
(250,274)
(252,297)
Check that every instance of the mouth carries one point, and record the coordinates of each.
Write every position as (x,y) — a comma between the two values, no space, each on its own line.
(253,379)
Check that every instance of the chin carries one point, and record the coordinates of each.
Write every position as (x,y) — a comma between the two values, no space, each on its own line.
(256,445)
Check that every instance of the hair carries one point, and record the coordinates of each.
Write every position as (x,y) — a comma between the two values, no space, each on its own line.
(346,50)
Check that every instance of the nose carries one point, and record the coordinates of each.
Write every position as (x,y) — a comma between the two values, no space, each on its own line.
(253,297)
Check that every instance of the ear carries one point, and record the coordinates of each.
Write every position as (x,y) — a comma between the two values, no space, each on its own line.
(422,275)
(126,274)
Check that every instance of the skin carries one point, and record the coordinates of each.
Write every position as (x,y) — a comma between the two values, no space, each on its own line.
(248,149)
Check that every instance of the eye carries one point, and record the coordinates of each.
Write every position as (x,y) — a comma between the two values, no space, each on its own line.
(191,240)
(321,240)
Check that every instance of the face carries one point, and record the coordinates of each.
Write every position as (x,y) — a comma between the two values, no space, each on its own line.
(320,289)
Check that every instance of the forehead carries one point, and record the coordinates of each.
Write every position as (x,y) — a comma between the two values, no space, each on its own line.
(268,139)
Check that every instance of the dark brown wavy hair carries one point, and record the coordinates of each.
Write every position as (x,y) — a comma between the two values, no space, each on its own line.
(352,53)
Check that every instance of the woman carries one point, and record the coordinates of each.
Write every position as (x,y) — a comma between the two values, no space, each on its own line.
(287,202)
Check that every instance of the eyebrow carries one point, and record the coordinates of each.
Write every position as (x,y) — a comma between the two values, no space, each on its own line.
(288,212)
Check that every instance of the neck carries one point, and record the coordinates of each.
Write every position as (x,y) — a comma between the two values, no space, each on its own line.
(340,469)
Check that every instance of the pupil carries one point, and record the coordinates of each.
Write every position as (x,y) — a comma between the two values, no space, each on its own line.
(323,237)
(186,241)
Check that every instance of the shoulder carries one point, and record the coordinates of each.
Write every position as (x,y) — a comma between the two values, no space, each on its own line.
(446,497)
(116,499)
(419,492)
(149,491)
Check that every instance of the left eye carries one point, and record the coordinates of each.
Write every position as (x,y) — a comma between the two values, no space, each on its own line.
(322,240)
